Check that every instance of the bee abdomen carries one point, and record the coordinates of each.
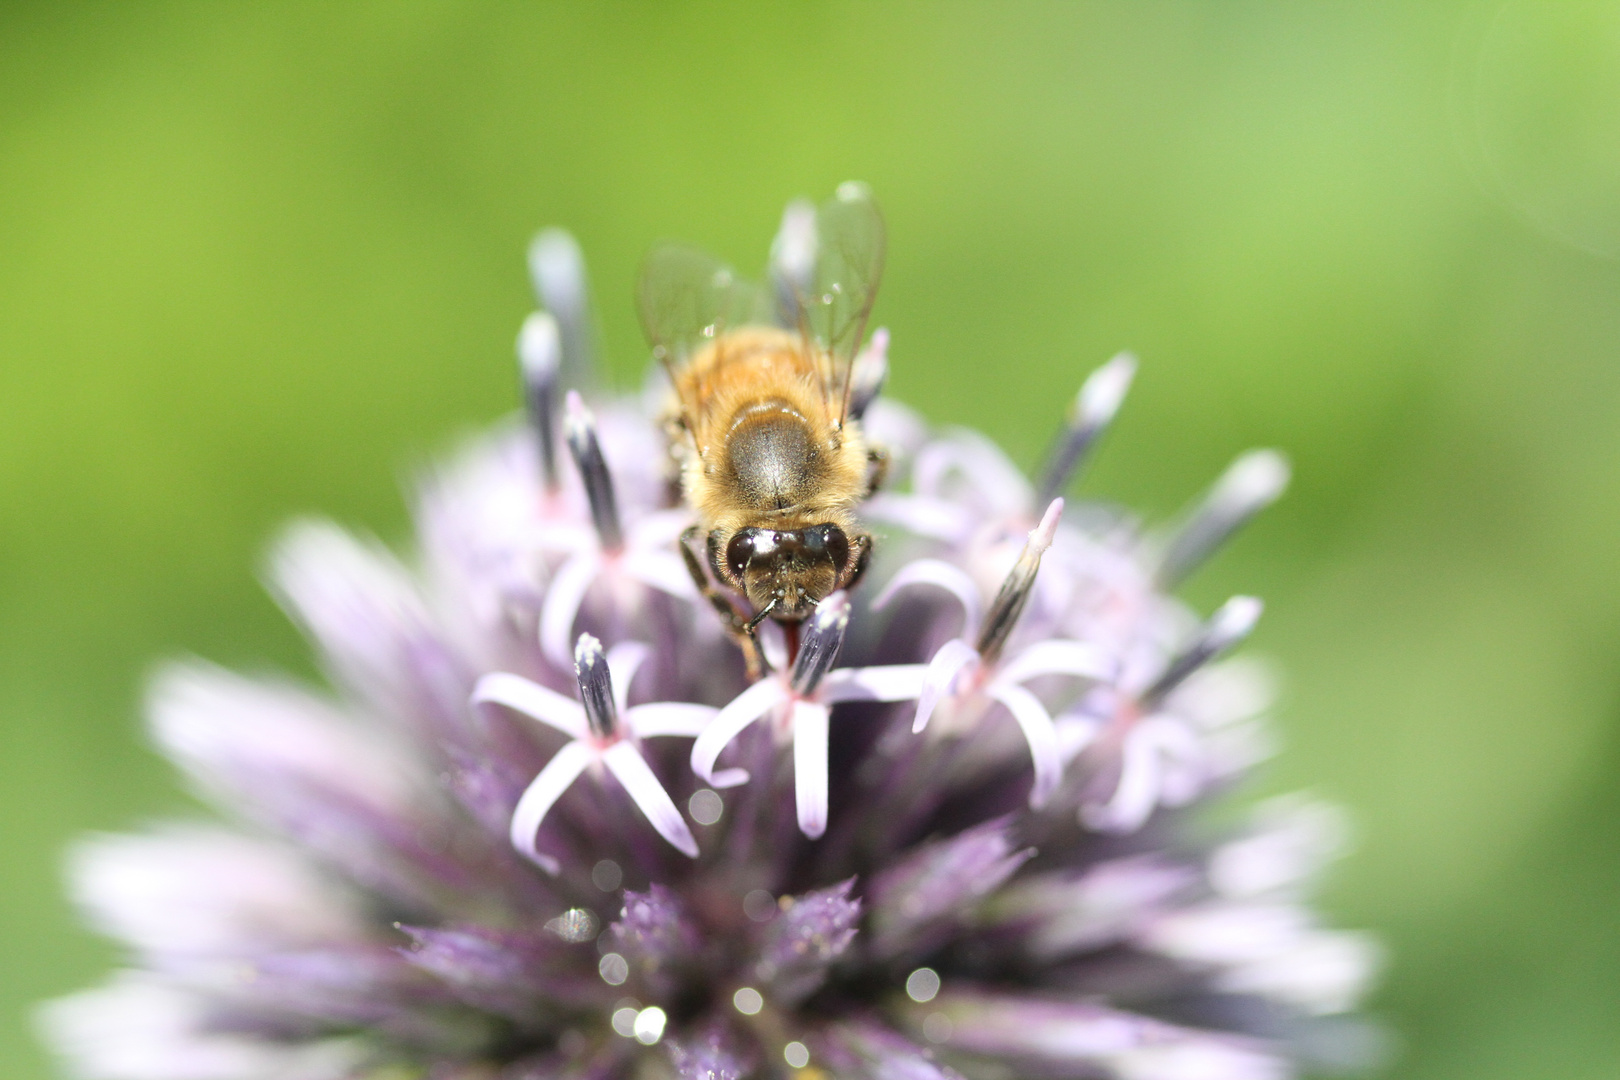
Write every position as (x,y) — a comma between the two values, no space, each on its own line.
(774,456)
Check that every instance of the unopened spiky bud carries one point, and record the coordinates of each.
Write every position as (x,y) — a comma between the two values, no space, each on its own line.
(1230,624)
(539,350)
(1250,484)
(557,269)
(1094,408)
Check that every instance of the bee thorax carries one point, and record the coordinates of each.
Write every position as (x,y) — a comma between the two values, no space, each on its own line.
(774,457)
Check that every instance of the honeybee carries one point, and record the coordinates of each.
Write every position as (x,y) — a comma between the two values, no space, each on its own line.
(765,427)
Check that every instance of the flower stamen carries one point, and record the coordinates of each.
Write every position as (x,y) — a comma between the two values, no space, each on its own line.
(593,471)
(596,688)
(818,647)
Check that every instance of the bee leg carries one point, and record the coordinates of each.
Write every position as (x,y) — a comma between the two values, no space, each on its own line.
(738,628)
(877,469)
(859,557)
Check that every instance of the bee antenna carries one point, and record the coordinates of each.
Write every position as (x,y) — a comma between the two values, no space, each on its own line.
(753,623)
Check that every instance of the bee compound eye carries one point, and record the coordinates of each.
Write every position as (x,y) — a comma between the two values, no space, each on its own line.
(837,545)
(739,550)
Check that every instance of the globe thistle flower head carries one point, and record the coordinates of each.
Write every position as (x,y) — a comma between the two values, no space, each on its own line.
(542,823)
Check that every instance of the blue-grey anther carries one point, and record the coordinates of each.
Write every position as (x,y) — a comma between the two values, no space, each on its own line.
(1225,629)
(557,268)
(1094,408)
(539,350)
(821,638)
(593,472)
(1250,484)
(595,687)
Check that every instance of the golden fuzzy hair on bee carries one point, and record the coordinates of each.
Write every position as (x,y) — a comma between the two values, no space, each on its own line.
(764,441)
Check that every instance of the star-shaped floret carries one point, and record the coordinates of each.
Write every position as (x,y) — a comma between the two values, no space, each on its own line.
(972,666)
(603,732)
(624,561)
(800,701)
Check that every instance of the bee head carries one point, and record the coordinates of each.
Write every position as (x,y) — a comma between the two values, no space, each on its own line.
(787,571)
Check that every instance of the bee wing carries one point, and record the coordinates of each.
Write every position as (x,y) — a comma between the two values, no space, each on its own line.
(831,265)
(688,297)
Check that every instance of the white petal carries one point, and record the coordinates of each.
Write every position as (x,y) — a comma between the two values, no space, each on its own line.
(567,592)
(661,570)
(569,537)
(1228,934)
(626,763)
(355,598)
(1060,657)
(660,529)
(1076,731)
(542,793)
(191,891)
(532,700)
(891,682)
(888,423)
(1039,732)
(743,710)
(669,718)
(140,1027)
(1325,972)
(265,747)
(810,766)
(988,472)
(1137,794)
(1182,771)
(624,660)
(1199,1056)
(773,643)
(1294,838)
(940,679)
(923,515)
(945,576)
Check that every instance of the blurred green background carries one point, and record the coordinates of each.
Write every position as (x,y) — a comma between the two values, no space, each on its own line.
(261,260)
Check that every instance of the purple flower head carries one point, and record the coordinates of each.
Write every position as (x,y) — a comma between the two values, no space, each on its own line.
(542,824)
